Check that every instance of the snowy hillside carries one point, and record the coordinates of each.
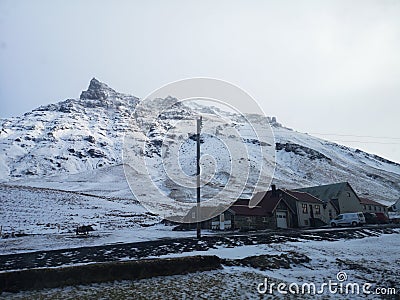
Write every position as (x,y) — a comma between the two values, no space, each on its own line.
(304,160)
(66,137)
(77,144)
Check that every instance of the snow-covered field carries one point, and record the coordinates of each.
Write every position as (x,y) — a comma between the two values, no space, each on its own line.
(373,260)
(49,219)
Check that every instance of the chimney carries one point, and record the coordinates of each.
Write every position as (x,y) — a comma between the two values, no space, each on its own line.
(273,190)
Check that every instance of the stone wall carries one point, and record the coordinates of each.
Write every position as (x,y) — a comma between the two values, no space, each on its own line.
(30,279)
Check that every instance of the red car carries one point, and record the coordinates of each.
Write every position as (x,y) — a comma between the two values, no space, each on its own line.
(381,218)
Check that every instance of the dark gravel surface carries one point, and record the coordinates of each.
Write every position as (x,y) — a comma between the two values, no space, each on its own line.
(140,250)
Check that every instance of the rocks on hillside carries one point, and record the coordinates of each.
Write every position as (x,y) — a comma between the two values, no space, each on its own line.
(97,91)
(301,150)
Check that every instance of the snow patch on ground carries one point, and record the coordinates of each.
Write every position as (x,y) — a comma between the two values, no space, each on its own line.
(362,265)
(49,219)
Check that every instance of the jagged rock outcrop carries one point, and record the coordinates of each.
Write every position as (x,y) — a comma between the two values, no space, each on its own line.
(98,91)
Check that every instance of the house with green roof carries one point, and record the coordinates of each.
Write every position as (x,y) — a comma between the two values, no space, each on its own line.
(341,195)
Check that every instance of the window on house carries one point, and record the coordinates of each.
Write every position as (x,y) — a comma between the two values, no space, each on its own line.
(265,219)
(330,214)
(369,207)
(317,209)
(380,208)
(305,222)
(304,206)
(193,215)
(365,207)
(375,208)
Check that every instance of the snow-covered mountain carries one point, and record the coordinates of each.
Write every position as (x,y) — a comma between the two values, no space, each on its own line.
(67,137)
(77,145)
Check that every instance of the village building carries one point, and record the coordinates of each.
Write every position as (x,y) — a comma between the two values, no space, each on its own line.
(395,207)
(277,208)
(372,206)
(266,210)
(341,195)
(223,218)
(310,211)
(282,208)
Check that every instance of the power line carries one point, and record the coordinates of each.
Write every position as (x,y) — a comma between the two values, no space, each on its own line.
(338,134)
(350,135)
(334,134)
(366,142)
(361,136)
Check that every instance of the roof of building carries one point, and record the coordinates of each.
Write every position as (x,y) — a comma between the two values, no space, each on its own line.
(206,212)
(245,210)
(271,201)
(304,197)
(367,201)
(261,204)
(326,192)
(257,198)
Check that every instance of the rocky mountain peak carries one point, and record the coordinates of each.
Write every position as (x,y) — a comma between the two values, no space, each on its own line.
(97,90)
(79,135)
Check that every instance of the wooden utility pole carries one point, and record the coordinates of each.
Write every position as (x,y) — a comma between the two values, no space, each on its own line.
(199,124)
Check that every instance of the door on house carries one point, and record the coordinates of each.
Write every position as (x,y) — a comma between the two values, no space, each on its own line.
(222,221)
(312,220)
(281,219)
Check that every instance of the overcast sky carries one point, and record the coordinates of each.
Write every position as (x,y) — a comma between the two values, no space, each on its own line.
(330,67)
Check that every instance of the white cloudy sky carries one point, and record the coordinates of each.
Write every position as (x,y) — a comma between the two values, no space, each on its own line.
(330,67)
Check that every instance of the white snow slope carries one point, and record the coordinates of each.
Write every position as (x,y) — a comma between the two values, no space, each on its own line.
(76,145)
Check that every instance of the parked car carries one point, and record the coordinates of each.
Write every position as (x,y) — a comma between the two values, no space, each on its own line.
(370,218)
(381,218)
(352,219)
(395,220)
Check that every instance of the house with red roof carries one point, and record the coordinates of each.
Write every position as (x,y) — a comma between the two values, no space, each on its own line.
(265,210)
(277,208)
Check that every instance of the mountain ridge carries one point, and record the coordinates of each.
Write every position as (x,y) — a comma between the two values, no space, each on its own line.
(80,135)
